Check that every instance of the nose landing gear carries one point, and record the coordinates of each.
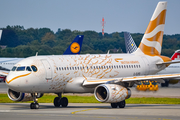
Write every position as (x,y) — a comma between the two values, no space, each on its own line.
(59,101)
(35,104)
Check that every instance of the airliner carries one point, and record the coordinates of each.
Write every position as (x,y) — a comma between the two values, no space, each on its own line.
(174,68)
(108,76)
(6,64)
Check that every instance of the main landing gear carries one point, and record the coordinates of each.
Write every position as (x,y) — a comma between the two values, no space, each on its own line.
(121,104)
(35,104)
(59,101)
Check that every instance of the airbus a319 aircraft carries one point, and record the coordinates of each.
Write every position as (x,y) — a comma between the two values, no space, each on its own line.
(109,76)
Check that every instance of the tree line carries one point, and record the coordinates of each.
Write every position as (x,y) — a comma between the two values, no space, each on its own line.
(22,42)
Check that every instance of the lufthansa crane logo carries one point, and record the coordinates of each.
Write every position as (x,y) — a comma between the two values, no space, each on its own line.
(75,47)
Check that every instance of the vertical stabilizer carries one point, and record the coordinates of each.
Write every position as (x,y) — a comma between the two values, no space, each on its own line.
(0,34)
(151,42)
(176,55)
(129,43)
(75,47)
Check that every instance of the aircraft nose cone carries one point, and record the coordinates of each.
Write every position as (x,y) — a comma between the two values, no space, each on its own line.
(11,82)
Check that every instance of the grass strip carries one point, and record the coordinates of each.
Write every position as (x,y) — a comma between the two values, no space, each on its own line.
(48,98)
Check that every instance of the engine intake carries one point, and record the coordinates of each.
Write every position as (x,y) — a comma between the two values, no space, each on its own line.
(19,96)
(111,93)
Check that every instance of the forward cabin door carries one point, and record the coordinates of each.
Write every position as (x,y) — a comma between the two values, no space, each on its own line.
(48,69)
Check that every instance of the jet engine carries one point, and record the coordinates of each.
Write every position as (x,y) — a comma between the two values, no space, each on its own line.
(111,93)
(19,96)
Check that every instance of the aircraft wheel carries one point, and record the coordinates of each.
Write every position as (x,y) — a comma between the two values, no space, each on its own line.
(57,102)
(122,104)
(64,102)
(34,106)
(114,105)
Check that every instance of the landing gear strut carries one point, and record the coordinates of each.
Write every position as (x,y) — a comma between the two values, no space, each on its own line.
(59,101)
(121,104)
(35,104)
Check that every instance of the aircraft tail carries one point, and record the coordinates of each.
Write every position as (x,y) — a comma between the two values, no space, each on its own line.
(176,55)
(129,43)
(0,34)
(151,42)
(75,46)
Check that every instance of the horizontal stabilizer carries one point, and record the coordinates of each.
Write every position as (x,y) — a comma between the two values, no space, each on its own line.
(165,63)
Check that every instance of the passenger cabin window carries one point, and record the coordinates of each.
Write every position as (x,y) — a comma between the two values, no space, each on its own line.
(21,68)
(14,68)
(28,68)
(34,68)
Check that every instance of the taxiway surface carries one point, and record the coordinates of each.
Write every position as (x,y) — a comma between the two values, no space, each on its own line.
(89,111)
(21,111)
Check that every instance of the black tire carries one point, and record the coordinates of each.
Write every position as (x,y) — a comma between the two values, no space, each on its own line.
(34,106)
(114,105)
(64,102)
(167,83)
(162,84)
(122,104)
(57,102)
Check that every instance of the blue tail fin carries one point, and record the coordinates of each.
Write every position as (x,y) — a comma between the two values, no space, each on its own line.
(129,42)
(75,46)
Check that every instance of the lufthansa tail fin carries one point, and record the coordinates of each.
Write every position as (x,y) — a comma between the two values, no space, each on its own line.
(151,42)
(75,46)
(129,43)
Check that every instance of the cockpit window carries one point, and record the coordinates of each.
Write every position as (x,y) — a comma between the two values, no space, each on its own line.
(21,68)
(28,68)
(34,68)
(14,68)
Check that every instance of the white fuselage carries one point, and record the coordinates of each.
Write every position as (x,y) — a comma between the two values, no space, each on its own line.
(55,73)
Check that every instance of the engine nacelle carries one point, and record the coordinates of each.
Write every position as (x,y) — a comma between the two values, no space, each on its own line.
(19,96)
(111,93)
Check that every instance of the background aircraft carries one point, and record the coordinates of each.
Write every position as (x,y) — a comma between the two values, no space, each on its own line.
(171,69)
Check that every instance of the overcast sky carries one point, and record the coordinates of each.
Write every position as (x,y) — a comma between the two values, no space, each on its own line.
(120,15)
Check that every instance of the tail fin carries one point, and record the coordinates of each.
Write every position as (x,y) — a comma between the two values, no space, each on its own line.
(75,46)
(129,43)
(176,55)
(151,42)
(0,34)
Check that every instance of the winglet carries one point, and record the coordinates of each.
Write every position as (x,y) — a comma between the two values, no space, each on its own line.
(151,42)
(75,46)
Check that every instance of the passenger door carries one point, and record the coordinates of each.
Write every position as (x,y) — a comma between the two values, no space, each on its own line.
(48,69)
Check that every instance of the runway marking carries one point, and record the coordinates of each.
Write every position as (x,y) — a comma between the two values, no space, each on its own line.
(84,110)
(4,110)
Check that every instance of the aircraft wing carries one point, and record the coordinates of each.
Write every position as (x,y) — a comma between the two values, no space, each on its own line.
(4,73)
(159,78)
